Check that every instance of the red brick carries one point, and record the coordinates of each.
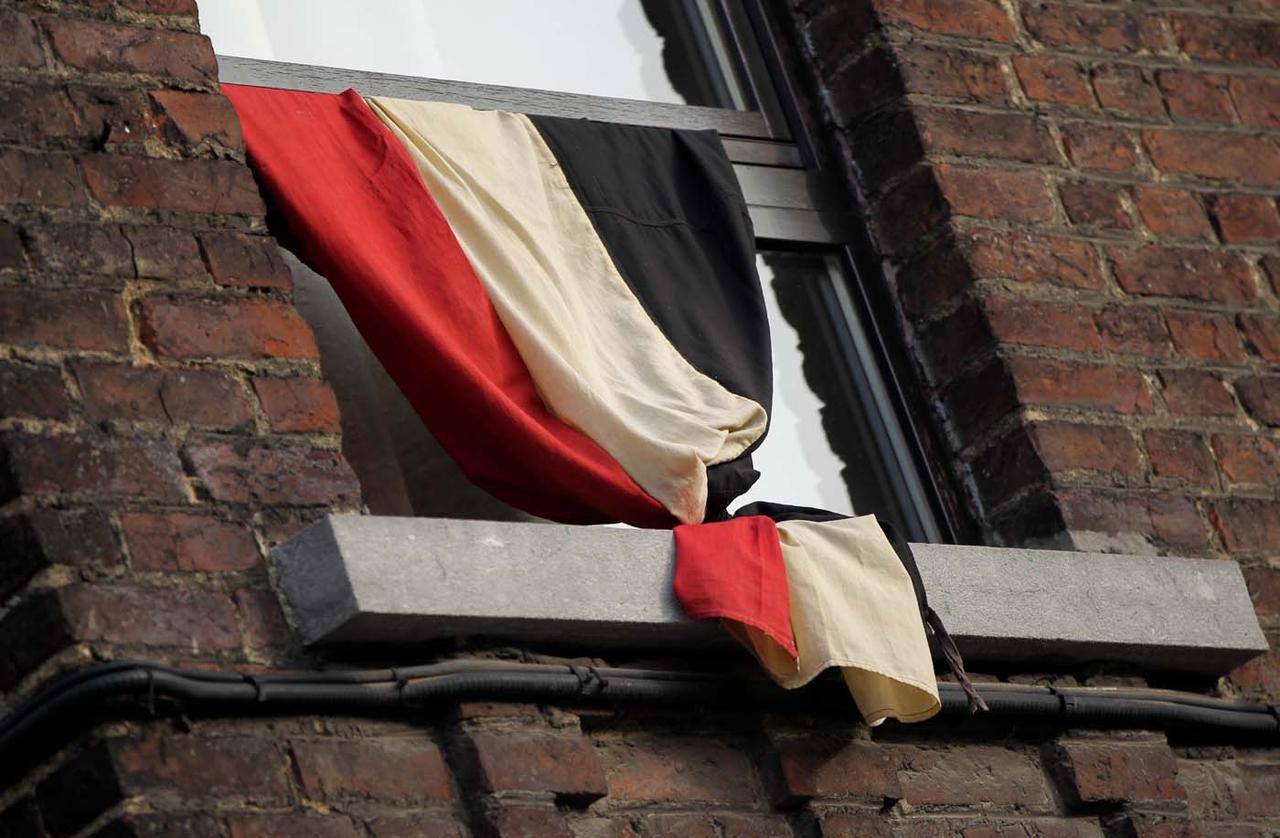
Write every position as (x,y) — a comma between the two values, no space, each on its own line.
(1257,100)
(956,74)
(1196,393)
(378,769)
(1195,96)
(1246,218)
(235,259)
(1095,205)
(20,47)
(1260,675)
(108,118)
(287,476)
(1170,520)
(76,537)
(161,825)
(80,249)
(1128,91)
(165,253)
(686,769)
(1264,589)
(826,767)
(40,179)
(1247,525)
(562,762)
(836,824)
(249,767)
(1030,257)
(1262,334)
(1248,458)
(414,825)
(1100,148)
(1057,81)
(196,118)
(1042,324)
(330,825)
(32,391)
(186,8)
(1065,384)
(1017,196)
(98,46)
(1169,211)
(1098,771)
(983,19)
(976,134)
(1138,330)
(754,826)
(680,826)
(1237,41)
(1146,825)
(96,465)
(1181,456)
(170,541)
(1038,827)
(1113,30)
(1064,446)
(1271,268)
(148,394)
(30,115)
(204,186)
(252,328)
(523,820)
(1153,270)
(975,775)
(264,624)
(298,404)
(1260,396)
(193,620)
(1249,159)
(1208,337)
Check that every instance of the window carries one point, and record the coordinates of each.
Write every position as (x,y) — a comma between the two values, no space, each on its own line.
(840,436)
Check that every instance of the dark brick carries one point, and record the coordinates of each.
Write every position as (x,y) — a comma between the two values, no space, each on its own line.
(1176,272)
(98,46)
(1238,41)
(1053,80)
(331,825)
(191,119)
(957,74)
(287,476)
(175,617)
(31,115)
(246,261)
(521,820)
(1032,258)
(1247,525)
(415,824)
(1134,329)
(161,825)
(263,619)
(94,464)
(1253,160)
(1262,333)
(150,394)
(32,391)
(22,818)
(562,762)
(911,209)
(1171,521)
(111,117)
(1128,91)
(1099,147)
(683,769)
(1196,393)
(974,134)
(1095,205)
(379,769)
(1260,395)
(1263,582)
(71,797)
(252,328)
(1248,458)
(203,186)
(835,767)
(1180,455)
(1097,771)
(30,632)
(1257,100)
(20,47)
(974,775)
(80,248)
(169,541)
(40,179)
(165,253)
(58,319)
(1042,324)
(82,538)
(1195,96)
(980,398)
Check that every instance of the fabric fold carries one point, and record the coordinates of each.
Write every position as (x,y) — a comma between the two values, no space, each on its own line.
(597,358)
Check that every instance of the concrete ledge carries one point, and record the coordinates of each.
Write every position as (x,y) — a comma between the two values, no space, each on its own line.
(370,579)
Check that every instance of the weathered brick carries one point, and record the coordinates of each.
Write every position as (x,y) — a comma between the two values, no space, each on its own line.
(80,249)
(331,825)
(1246,218)
(1248,458)
(379,769)
(870,82)
(78,791)
(98,46)
(834,767)
(94,464)
(1196,393)
(252,328)
(1095,205)
(1260,675)
(111,117)
(1258,794)
(245,261)
(955,340)
(162,7)
(1247,525)
(1262,334)
(195,118)
(1099,147)
(150,394)
(836,29)
(1169,211)
(20,46)
(1139,330)
(263,619)
(837,824)
(23,816)
(521,820)
(33,391)
(983,19)
(1032,258)
(692,825)
(298,404)
(562,762)
(1263,581)
(161,825)
(204,186)
(1208,275)
(40,179)
(969,775)
(754,826)
(1058,81)
(31,115)
(1064,446)
(683,769)
(1180,455)
(1257,100)
(1114,30)
(165,253)
(194,620)
(1128,91)
(1171,521)
(1042,324)
(168,541)
(1017,196)
(956,74)
(980,398)
(11,248)
(1065,384)
(1260,396)
(1253,160)
(1195,96)
(1206,336)
(1238,41)
(977,134)
(415,824)
(911,209)
(30,632)
(289,476)
(82,538)
(1271,269)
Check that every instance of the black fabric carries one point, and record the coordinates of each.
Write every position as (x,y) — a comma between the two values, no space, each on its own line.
(667,206)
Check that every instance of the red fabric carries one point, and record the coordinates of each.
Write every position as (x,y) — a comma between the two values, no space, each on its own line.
(733,570)
(356,211)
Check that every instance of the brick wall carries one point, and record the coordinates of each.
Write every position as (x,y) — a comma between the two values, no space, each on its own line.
(1076,204)
(163,421)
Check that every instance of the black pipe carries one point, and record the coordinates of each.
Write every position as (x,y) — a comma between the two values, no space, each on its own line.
(64,707)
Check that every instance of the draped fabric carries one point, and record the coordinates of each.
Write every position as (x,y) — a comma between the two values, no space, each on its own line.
(573,309)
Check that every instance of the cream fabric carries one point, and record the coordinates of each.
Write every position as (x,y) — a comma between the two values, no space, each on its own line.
(598,360)
(852,606)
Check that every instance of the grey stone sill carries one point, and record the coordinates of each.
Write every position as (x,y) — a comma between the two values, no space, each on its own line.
(381,580)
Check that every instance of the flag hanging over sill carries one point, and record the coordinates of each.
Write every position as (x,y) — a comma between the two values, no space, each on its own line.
(573,309)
